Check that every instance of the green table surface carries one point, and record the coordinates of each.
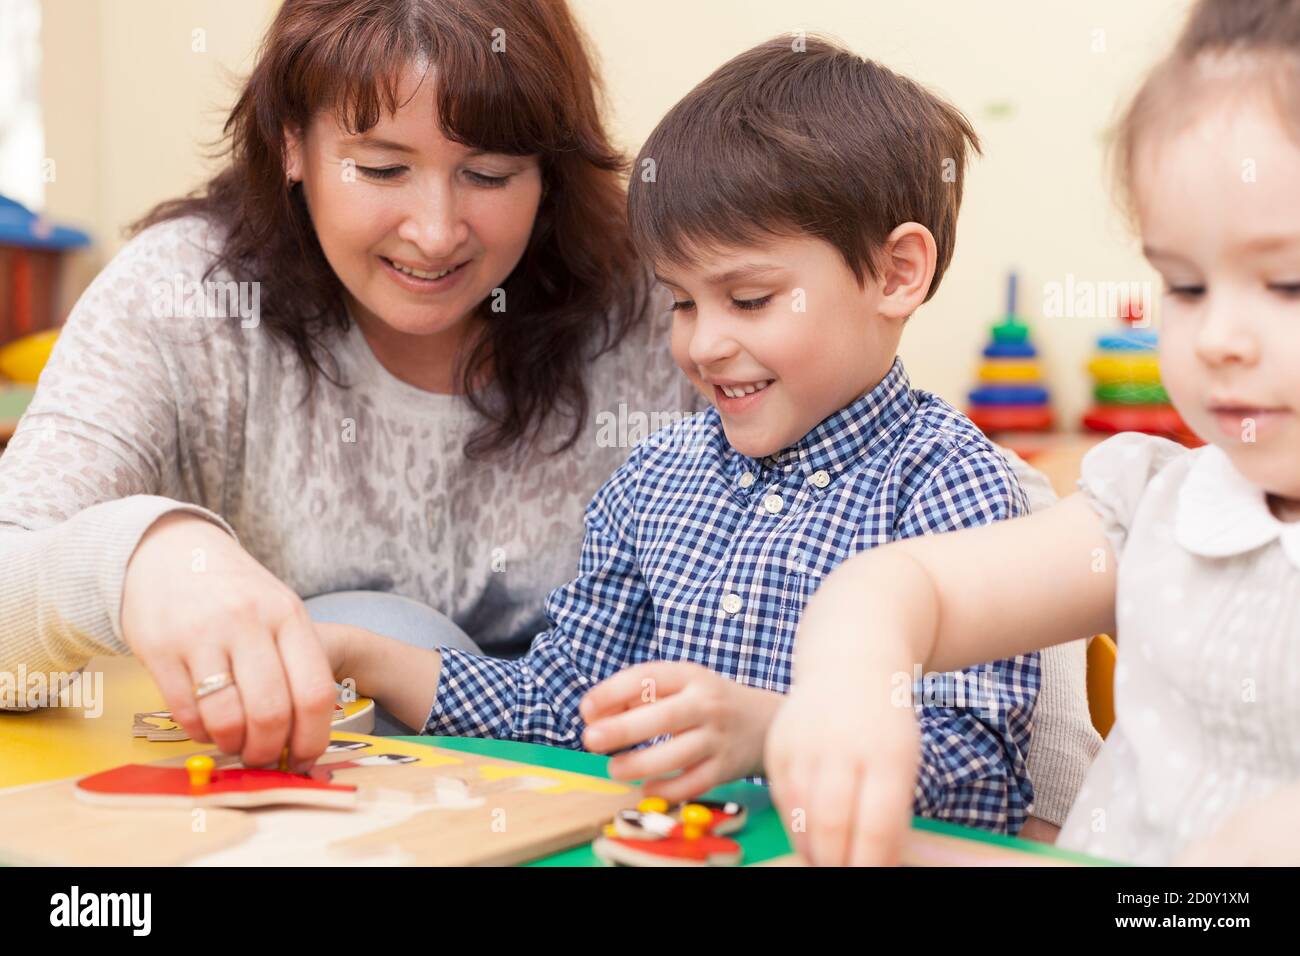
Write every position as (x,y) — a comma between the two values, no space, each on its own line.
(763,837)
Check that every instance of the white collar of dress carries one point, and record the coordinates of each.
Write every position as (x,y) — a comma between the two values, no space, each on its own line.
(1222,513)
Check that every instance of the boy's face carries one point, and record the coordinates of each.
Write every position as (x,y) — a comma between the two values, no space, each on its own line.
(778,336)
(1228,248)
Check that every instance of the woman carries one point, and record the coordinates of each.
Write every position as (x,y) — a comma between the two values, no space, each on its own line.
(376,424)
(394,346)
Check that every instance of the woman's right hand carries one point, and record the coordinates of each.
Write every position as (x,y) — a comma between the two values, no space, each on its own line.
(195,605)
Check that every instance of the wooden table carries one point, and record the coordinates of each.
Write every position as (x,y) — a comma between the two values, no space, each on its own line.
(62,742)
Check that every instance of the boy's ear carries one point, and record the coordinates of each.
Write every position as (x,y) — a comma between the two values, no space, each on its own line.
(907,261)
(293,149)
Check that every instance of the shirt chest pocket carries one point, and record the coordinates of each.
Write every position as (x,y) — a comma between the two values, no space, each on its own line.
(797,589)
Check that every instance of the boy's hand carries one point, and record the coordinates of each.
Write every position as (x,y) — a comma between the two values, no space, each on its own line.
(717,726)
(842,763)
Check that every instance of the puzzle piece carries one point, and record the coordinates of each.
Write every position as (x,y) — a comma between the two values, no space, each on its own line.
(351,714)
(411,804)
(158,725)
(691,834)
(201,784)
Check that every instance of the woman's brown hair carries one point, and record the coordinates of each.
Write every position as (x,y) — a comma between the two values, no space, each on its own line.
(514,77)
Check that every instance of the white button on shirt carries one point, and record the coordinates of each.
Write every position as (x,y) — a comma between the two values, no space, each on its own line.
(732,603)
(746,480)
(772,503)
(820,479)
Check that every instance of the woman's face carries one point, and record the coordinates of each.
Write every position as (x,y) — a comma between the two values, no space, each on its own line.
(419,229)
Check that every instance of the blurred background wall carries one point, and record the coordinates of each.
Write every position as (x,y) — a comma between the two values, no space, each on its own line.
(133,94)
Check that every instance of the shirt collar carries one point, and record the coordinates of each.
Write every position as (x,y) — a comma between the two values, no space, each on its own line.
(845,438)
(1221,513)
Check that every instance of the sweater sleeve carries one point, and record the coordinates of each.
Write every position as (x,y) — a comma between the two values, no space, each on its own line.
(92,465)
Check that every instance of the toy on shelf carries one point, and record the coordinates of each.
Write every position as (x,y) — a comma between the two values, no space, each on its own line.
(23,361)
(1011,404)
(691,834)
(32,254)
(1127,393)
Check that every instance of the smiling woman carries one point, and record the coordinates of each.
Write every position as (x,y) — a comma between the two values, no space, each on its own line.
(432,135)
(420,229)
(425,210)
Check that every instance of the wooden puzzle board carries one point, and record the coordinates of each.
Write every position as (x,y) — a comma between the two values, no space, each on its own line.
(59,742)
(439,808)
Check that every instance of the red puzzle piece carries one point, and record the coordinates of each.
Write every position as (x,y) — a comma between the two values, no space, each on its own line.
(146,785)
(648,837)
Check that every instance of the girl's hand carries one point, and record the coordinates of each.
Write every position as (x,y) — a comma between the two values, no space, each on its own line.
(196,605)
(717,726)
(842,763)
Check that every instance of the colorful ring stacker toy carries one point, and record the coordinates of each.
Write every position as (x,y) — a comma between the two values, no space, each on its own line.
(210,685)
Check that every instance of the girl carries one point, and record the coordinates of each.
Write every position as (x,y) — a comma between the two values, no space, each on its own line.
(1193,555)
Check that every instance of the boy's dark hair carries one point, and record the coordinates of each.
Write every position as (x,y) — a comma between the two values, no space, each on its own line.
(799,135)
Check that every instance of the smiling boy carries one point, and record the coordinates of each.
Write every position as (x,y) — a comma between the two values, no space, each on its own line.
(800,204)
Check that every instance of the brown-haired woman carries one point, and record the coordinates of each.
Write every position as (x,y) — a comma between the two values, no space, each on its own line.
(372,355)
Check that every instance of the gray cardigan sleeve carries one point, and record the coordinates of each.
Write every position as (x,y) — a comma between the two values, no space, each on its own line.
(90,468)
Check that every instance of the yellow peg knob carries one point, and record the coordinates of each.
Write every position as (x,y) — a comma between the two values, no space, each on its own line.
(653,805)
(200,770)
(695,821)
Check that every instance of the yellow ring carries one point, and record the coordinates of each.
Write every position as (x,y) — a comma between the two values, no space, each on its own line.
(1010,372)
(1117,369)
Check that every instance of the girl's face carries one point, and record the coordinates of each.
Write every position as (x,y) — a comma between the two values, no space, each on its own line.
(419,229)
(1219,205)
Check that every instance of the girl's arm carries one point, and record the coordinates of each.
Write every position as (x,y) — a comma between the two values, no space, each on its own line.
(980,594)
(843,751)
(1262,833)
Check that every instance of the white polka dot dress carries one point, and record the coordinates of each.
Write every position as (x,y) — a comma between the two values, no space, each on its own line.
(1207,685)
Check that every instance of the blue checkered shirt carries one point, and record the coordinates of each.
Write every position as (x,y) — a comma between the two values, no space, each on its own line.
(695,552)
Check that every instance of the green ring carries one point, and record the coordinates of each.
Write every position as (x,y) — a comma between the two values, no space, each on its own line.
(1131,393)
(1010,332)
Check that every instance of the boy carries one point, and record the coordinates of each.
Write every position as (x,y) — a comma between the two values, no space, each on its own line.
(800,204)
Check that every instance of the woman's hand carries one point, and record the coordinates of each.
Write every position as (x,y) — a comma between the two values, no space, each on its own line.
(717,726)
(196,605)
